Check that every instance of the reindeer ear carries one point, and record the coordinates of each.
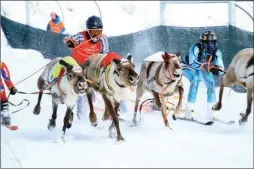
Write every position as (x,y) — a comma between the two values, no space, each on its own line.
(84,65)
(116,61)
(129,57)
(178,54)
(165,56)
(65,64)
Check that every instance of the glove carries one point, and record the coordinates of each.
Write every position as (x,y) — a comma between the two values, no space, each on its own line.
(215,70)
(70,44)
(13,90)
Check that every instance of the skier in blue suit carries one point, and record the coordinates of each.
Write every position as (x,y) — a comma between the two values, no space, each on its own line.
(203,61)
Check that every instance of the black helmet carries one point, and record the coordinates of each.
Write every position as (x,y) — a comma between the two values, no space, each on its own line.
(94,22)
(208,36)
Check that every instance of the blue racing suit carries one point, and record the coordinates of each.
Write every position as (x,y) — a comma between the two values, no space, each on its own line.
(191,65)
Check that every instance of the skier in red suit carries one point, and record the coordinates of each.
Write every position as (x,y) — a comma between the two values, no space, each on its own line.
(6,79)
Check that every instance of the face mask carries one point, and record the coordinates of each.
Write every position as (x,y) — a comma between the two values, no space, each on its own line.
(209,47)
(96,39)
(95,34)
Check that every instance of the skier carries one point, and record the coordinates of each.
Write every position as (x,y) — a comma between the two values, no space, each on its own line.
(85,44)
(5,112)
(203,60)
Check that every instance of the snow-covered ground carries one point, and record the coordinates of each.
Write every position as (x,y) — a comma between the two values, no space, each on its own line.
(122,17)
(148,145)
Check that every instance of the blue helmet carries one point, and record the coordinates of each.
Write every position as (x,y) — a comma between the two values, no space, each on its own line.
(207,36)
(94,22)
(208,40)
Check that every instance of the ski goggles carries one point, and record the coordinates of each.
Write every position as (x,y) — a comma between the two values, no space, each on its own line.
(94,32)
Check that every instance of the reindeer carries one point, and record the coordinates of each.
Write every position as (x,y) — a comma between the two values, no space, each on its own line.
(66,82)
(240,71)
(118,80)
(162,79)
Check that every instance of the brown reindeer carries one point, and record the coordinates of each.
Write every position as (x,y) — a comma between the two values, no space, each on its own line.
(118,80)
(66,82)
(156,76)
(240,71)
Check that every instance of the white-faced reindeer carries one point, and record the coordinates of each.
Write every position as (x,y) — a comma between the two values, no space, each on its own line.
(118,81)
(155,76)
(66,82)
(240,71)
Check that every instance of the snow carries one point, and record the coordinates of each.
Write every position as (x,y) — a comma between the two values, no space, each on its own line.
(150,144)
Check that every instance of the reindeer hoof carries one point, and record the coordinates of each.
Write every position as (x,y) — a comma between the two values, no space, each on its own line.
(134,121)
(112,132)
(68,125)
(243,119)
(37,110)
(166,123)
(174,117)
(51,125)
(93,119)
(217,107)
(94,124)
(120,138)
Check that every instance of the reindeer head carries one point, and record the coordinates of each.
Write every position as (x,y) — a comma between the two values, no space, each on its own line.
(172,65)
(125,70)
(76,77)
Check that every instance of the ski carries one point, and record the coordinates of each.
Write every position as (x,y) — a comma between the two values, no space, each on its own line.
(223,122)
(208,123)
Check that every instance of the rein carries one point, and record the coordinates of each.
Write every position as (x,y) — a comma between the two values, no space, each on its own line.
(115,72)
(156,76)
(59,80)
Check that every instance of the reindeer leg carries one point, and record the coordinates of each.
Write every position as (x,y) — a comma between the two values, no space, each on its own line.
(106,114)
(67,121)
(227,80)
(244,117)
(159,105)
(116,107)
(92,115)
(218,105)
(37,108)
(52,121)
(114,117)
(139,94)
(179,105)
(134,119)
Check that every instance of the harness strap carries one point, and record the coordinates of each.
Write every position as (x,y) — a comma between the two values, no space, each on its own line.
(250,62)
(246,76)
(157,75)
(107,76)
(122,86)
(148,68)
(250,74)
(59,80)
